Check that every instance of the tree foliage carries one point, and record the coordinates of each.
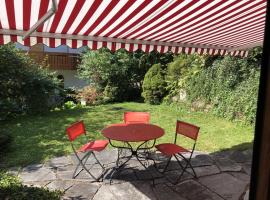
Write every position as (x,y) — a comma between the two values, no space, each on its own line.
(183,68)
(154,85)
(118,75)
(26,87)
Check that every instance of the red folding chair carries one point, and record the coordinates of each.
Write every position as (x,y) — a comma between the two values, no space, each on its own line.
(136,117)
(75,130)
(173,150)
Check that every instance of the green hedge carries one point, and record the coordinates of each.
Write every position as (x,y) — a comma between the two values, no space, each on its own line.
(230,85)
(227,85)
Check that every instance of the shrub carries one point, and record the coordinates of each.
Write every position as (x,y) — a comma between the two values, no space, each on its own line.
(88,94)
(154,85)
(119,75)
(70,105)
(12,188)
(26,87)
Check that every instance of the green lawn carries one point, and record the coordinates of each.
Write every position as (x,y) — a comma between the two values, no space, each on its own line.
(39,138)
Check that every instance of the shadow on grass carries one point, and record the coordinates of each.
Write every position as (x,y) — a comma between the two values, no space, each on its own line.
(240,147)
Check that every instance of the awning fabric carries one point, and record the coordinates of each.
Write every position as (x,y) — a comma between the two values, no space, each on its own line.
(202,26)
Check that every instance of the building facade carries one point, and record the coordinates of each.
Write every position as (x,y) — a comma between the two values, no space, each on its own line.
(62,60)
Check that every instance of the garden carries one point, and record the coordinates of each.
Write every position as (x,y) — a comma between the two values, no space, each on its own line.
(219,94)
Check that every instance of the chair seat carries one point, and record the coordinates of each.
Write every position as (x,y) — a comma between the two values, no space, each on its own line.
(170,149)
(97,145)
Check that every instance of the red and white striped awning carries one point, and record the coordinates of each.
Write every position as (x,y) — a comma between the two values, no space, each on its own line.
(203,26)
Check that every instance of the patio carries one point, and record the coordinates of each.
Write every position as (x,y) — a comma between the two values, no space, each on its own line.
(222,175)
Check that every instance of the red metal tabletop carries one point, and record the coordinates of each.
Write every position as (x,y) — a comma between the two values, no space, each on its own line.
(132,132)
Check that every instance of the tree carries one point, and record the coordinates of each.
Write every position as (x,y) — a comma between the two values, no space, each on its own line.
(26,87)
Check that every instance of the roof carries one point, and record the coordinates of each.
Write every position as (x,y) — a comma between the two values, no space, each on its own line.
(203,26)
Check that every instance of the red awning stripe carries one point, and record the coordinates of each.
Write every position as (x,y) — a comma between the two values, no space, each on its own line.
(234,38)
(204,21)
(207,25)
(219,24)
(228,27)
(243,38)
(230,34)
(197,12)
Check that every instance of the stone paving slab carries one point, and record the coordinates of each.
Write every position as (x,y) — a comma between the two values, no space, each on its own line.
(205,170)
(226,185)
(104,193)
(189,188)
(32,174)
(164,192)
(193,190)
(226,165)
(241,156)
(62,185)
(247,168)
(241,176)
(222,175)
(59,162)
(81,191)
(147,174)
(202,160)
(133,191)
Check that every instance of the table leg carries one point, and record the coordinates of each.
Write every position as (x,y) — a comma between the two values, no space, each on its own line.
(134,152)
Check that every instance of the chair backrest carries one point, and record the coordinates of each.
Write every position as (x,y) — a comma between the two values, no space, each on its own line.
(136,117)
(75,130)
(187,129)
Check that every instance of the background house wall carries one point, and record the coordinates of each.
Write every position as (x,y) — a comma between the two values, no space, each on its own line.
(63,60)
(70,79)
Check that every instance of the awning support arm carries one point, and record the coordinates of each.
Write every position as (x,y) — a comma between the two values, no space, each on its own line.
(41,20)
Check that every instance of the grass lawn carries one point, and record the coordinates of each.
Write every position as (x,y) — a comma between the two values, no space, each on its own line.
(38,138)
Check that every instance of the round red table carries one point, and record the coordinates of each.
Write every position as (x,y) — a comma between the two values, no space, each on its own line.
(138,132)
(135,132)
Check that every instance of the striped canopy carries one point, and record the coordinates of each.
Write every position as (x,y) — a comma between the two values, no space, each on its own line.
(202,26)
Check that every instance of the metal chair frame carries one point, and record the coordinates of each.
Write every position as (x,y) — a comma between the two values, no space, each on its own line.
(187,160)
(83,160)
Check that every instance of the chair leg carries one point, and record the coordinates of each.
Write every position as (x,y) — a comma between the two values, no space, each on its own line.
(188,163)
(184,169)
(84,167)
(98,161)
(167,164)
(85,157)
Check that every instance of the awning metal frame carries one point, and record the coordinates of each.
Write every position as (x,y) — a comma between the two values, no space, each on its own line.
(41,20)
(107,39)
